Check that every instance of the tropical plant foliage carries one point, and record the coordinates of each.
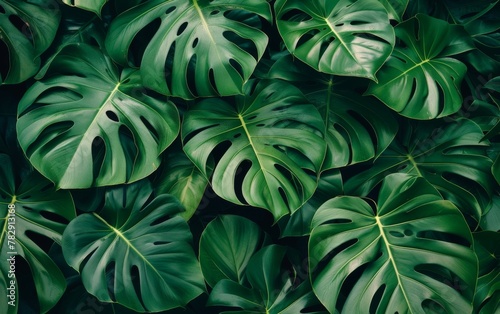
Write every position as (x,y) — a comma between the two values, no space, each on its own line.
(249,156)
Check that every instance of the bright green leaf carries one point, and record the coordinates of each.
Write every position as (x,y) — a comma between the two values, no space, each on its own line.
(404,252)
(89,5)
(27,28)
(141,244)
(37,216)
(341,37)
(85,125)
(200,48)
(420,80)
(271,129)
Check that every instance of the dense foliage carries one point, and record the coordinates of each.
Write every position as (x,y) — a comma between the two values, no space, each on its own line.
(249,156)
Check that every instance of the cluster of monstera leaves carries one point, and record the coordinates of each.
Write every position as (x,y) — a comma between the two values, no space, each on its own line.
(356,126)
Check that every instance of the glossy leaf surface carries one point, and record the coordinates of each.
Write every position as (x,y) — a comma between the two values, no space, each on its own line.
(87,125)
(421,80)
(269,129)
(403,250)
(341,37)
(135,251)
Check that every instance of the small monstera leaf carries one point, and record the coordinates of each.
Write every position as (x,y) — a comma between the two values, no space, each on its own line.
(341,37)
(181,178)
(31,212)
(451,156)
(407,252)
(487,297)
(197,48)
(141,245)
(27,29)
(85,125)
(226,246)
(420,80)
(270,132)
(268,290)
(89,5)
(356,128)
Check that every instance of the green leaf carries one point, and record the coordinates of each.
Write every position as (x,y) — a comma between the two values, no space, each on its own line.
(404,252)
(226,245)
(395,8)
(141,244)
(299,223)
(26,29)
(420,80)
(357,128)
(449,155)
(341,37)
(76,27)
(488,286)
(85,125)
(271,130)
(182,179)
(495,169)
(32,213)
(269,291)
(200,48)
(89,5)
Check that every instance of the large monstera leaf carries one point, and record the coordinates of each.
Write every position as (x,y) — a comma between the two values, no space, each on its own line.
(341,37)
(267,289)
(27,29)
(136,251)
(357,128)
(407,252)
(85,125)
(420,80)
(451,156)
(270,132)
(200,48)
(31,212)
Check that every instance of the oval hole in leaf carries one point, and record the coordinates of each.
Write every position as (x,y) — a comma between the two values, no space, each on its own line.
(54,217)
(191,74)
(110,278)
(296,16)
(98,153)
(5,60)
(50,132)
(112,116)
(241,172)
(377,297)
(182,28)
(170,10)
(151,129)
(140,42)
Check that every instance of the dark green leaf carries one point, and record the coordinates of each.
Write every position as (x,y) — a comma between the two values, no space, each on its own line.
(488,286)
(341,37)
(420,80)
(141,244)
(85,125)
(404,251)
(271,129)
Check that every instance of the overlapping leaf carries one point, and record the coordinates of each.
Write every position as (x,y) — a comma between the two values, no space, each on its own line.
(200,48)
(404,252)
(341,37)
(37,214)
(141,244)
(89,5)
(270,130)
(86,125)
(26,30)
(420,80)
(487,297)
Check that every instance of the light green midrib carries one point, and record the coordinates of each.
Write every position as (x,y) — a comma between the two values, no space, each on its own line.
(391,258)
(121,236)
(341,40)
(414,164)
(4,228)
(203,21)
(247,133)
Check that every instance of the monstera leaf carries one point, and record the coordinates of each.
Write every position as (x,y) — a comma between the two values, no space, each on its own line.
(395,8)
(181,178)
(450,156)
(31,212)
(268,290)
(356,128)
(226,246)
(404,252)
(487,298)
(89,5)
(341,37)
(270,132)
(86,125)
(196,47)
(420,80)
(26,30)
(141,245)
